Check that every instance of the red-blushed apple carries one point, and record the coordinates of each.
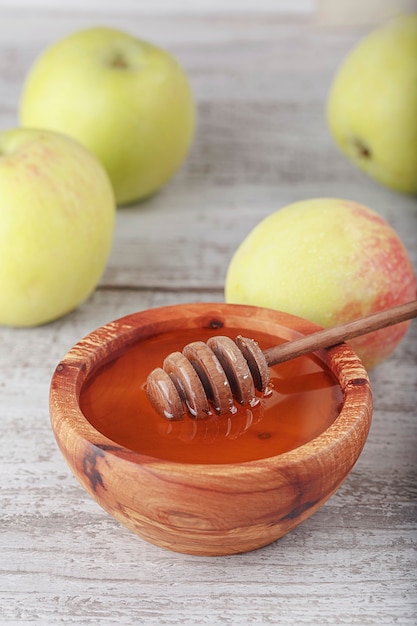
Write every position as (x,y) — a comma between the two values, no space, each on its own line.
(57,215)
(328,260)
(126,100)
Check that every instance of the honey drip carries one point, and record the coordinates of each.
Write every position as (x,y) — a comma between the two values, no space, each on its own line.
(302,401)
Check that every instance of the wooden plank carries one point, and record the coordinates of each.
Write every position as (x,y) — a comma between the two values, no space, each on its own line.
(168,6)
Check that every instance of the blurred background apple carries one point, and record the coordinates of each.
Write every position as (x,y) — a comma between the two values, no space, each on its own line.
(127,101)
(372,105)
(328,260)
(57,216)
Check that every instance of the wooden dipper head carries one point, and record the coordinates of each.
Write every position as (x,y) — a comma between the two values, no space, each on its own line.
(208,377)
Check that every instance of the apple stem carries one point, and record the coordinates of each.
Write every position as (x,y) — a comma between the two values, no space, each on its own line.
(118,60)
(362,149)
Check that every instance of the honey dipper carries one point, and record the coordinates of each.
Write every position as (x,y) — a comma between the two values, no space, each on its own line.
(208,377)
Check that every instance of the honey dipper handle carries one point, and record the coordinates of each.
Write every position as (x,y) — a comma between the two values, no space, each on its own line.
(338,334)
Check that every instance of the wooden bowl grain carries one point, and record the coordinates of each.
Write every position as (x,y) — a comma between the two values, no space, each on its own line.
(197,508)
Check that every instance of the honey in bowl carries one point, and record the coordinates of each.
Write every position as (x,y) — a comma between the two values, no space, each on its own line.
(219,486)
(302,401)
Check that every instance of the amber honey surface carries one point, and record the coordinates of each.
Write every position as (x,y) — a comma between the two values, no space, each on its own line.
(303,400)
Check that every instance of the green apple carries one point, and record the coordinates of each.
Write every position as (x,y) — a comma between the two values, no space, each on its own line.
(125,100)
(330,261)
(372,105)
(57,215)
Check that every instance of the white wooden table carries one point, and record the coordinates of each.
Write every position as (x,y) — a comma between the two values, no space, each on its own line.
(261,82)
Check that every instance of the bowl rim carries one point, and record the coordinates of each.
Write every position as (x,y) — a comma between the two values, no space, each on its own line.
(91,352)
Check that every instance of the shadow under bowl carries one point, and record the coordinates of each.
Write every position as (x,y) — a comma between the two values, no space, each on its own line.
(207,508)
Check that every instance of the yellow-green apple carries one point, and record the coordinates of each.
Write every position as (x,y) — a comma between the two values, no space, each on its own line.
(372,105)
(127,101)
(57,215)
(328,260)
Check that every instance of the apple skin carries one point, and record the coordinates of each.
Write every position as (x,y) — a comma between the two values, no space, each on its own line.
(372,105)
(125,100)
(57,216)
(330,261)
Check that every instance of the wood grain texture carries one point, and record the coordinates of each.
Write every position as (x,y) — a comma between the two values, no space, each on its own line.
(260,82)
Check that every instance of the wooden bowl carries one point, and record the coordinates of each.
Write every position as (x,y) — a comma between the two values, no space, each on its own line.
(200,508)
